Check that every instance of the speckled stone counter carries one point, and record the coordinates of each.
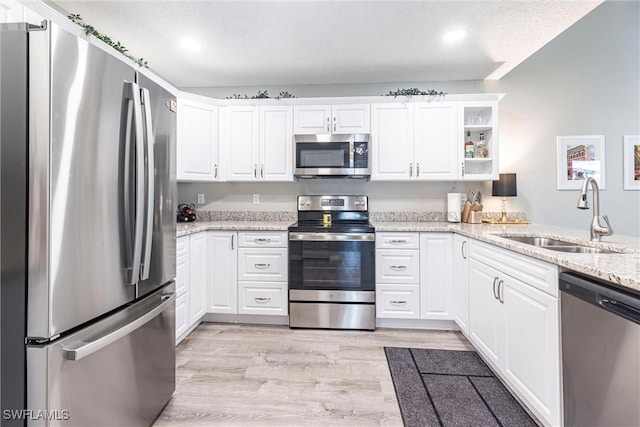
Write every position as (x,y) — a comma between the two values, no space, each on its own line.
(198,226)
(618,268)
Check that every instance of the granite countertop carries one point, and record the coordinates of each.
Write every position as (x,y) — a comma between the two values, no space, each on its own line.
(186,228)
(618,268)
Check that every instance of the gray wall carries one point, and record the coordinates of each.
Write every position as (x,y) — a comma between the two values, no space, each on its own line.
(584,82)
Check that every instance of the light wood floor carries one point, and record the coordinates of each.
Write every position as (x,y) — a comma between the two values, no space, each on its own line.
(275,376)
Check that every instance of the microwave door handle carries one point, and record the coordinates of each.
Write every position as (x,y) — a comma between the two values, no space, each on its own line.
(352,155)
(150,169)
(132,93)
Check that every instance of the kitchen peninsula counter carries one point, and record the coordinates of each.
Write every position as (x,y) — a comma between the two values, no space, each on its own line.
(617,268)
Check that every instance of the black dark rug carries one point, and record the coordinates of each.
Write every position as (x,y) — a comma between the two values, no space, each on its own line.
(450,388)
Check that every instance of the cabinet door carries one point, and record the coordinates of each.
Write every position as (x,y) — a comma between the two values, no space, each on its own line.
(351,118)
(222,284)
(197,142)
(531,346)
(460,282)
(276,143)
(392,142)
(198,266)
(311,119)
(182,265)
(436,283)
(435,140)
(182,316)
(239,142)
(484,311)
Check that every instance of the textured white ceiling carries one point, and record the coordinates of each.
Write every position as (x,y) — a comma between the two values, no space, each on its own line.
(259,43)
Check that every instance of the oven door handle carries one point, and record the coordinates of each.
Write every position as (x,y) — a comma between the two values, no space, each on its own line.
(323,237)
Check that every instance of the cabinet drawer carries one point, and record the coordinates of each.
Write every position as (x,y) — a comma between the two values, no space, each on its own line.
(397,240)
(182,245)
(534,272)
(263,264)
(398,301)
(262,239)
(262,298)
(398,266)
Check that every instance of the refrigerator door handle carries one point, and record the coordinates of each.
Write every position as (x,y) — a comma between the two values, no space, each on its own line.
(133,272)
(149,144)
(85,349)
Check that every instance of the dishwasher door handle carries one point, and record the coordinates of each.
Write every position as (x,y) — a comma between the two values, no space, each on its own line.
(619,308)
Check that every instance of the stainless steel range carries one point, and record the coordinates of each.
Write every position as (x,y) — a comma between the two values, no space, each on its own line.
(332,264)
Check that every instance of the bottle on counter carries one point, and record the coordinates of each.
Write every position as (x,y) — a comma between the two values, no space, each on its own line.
(469,147)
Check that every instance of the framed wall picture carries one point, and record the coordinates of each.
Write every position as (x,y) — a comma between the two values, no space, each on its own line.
(631,162)
(580,157)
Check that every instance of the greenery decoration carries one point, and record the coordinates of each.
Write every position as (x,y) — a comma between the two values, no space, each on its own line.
(89,30)
(261,95)
(413,92)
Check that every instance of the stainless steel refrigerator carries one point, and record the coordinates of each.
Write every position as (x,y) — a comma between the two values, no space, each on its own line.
(87,194)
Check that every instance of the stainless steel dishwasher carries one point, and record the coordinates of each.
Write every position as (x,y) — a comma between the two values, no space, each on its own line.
(600,353)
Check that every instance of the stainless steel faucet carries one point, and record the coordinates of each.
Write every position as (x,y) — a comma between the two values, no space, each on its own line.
(597,230)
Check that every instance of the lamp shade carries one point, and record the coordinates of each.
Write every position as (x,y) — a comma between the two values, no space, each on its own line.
(505,186)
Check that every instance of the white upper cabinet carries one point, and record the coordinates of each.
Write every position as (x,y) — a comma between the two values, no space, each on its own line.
(391,141)
(341,118)
(197,141)
(414,141)
(14,11)
(257,142)
(276,143)
(435,136)
(479,123)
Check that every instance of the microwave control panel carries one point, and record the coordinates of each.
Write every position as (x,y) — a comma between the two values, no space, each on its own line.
(360,155)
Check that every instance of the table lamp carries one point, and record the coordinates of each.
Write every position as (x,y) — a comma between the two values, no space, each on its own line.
(505,187)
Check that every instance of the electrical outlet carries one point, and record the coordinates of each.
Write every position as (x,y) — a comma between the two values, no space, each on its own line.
(256,199)
(201,198)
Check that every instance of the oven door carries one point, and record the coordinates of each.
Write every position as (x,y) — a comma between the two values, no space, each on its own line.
(332,267)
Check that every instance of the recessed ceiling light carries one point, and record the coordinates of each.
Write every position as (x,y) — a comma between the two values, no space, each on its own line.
(191,44)
(454,36)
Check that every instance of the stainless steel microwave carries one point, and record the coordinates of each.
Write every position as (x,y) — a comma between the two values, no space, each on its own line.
(332,155)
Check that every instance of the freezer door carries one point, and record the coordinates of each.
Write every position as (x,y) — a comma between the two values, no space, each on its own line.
(117,372)
(81,185)
(161,266)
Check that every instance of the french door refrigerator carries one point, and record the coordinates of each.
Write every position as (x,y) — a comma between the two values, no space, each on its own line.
(87,198)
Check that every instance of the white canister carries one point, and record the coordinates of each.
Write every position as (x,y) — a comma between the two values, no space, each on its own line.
(454,203)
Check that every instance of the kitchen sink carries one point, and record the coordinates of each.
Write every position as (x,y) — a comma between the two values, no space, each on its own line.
(538,241)
(558,245)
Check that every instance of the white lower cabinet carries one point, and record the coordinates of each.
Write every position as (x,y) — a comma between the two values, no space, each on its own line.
(413,276)
(197,277)
(222,283)
(182,287)
(182,317)
(514,324)
(263,272)
(461,282)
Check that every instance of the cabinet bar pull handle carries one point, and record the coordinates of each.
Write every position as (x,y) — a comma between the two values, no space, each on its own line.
(215,170)
(462,164)
(464,243)
(328,128)
(495,280)
(417,170)
(410,170)
(398,267)
(500,296)
(262,171)
(255,170)
(232,236)
(400,302)
(262,266)
(262,240)
(262,300)
(397,241)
